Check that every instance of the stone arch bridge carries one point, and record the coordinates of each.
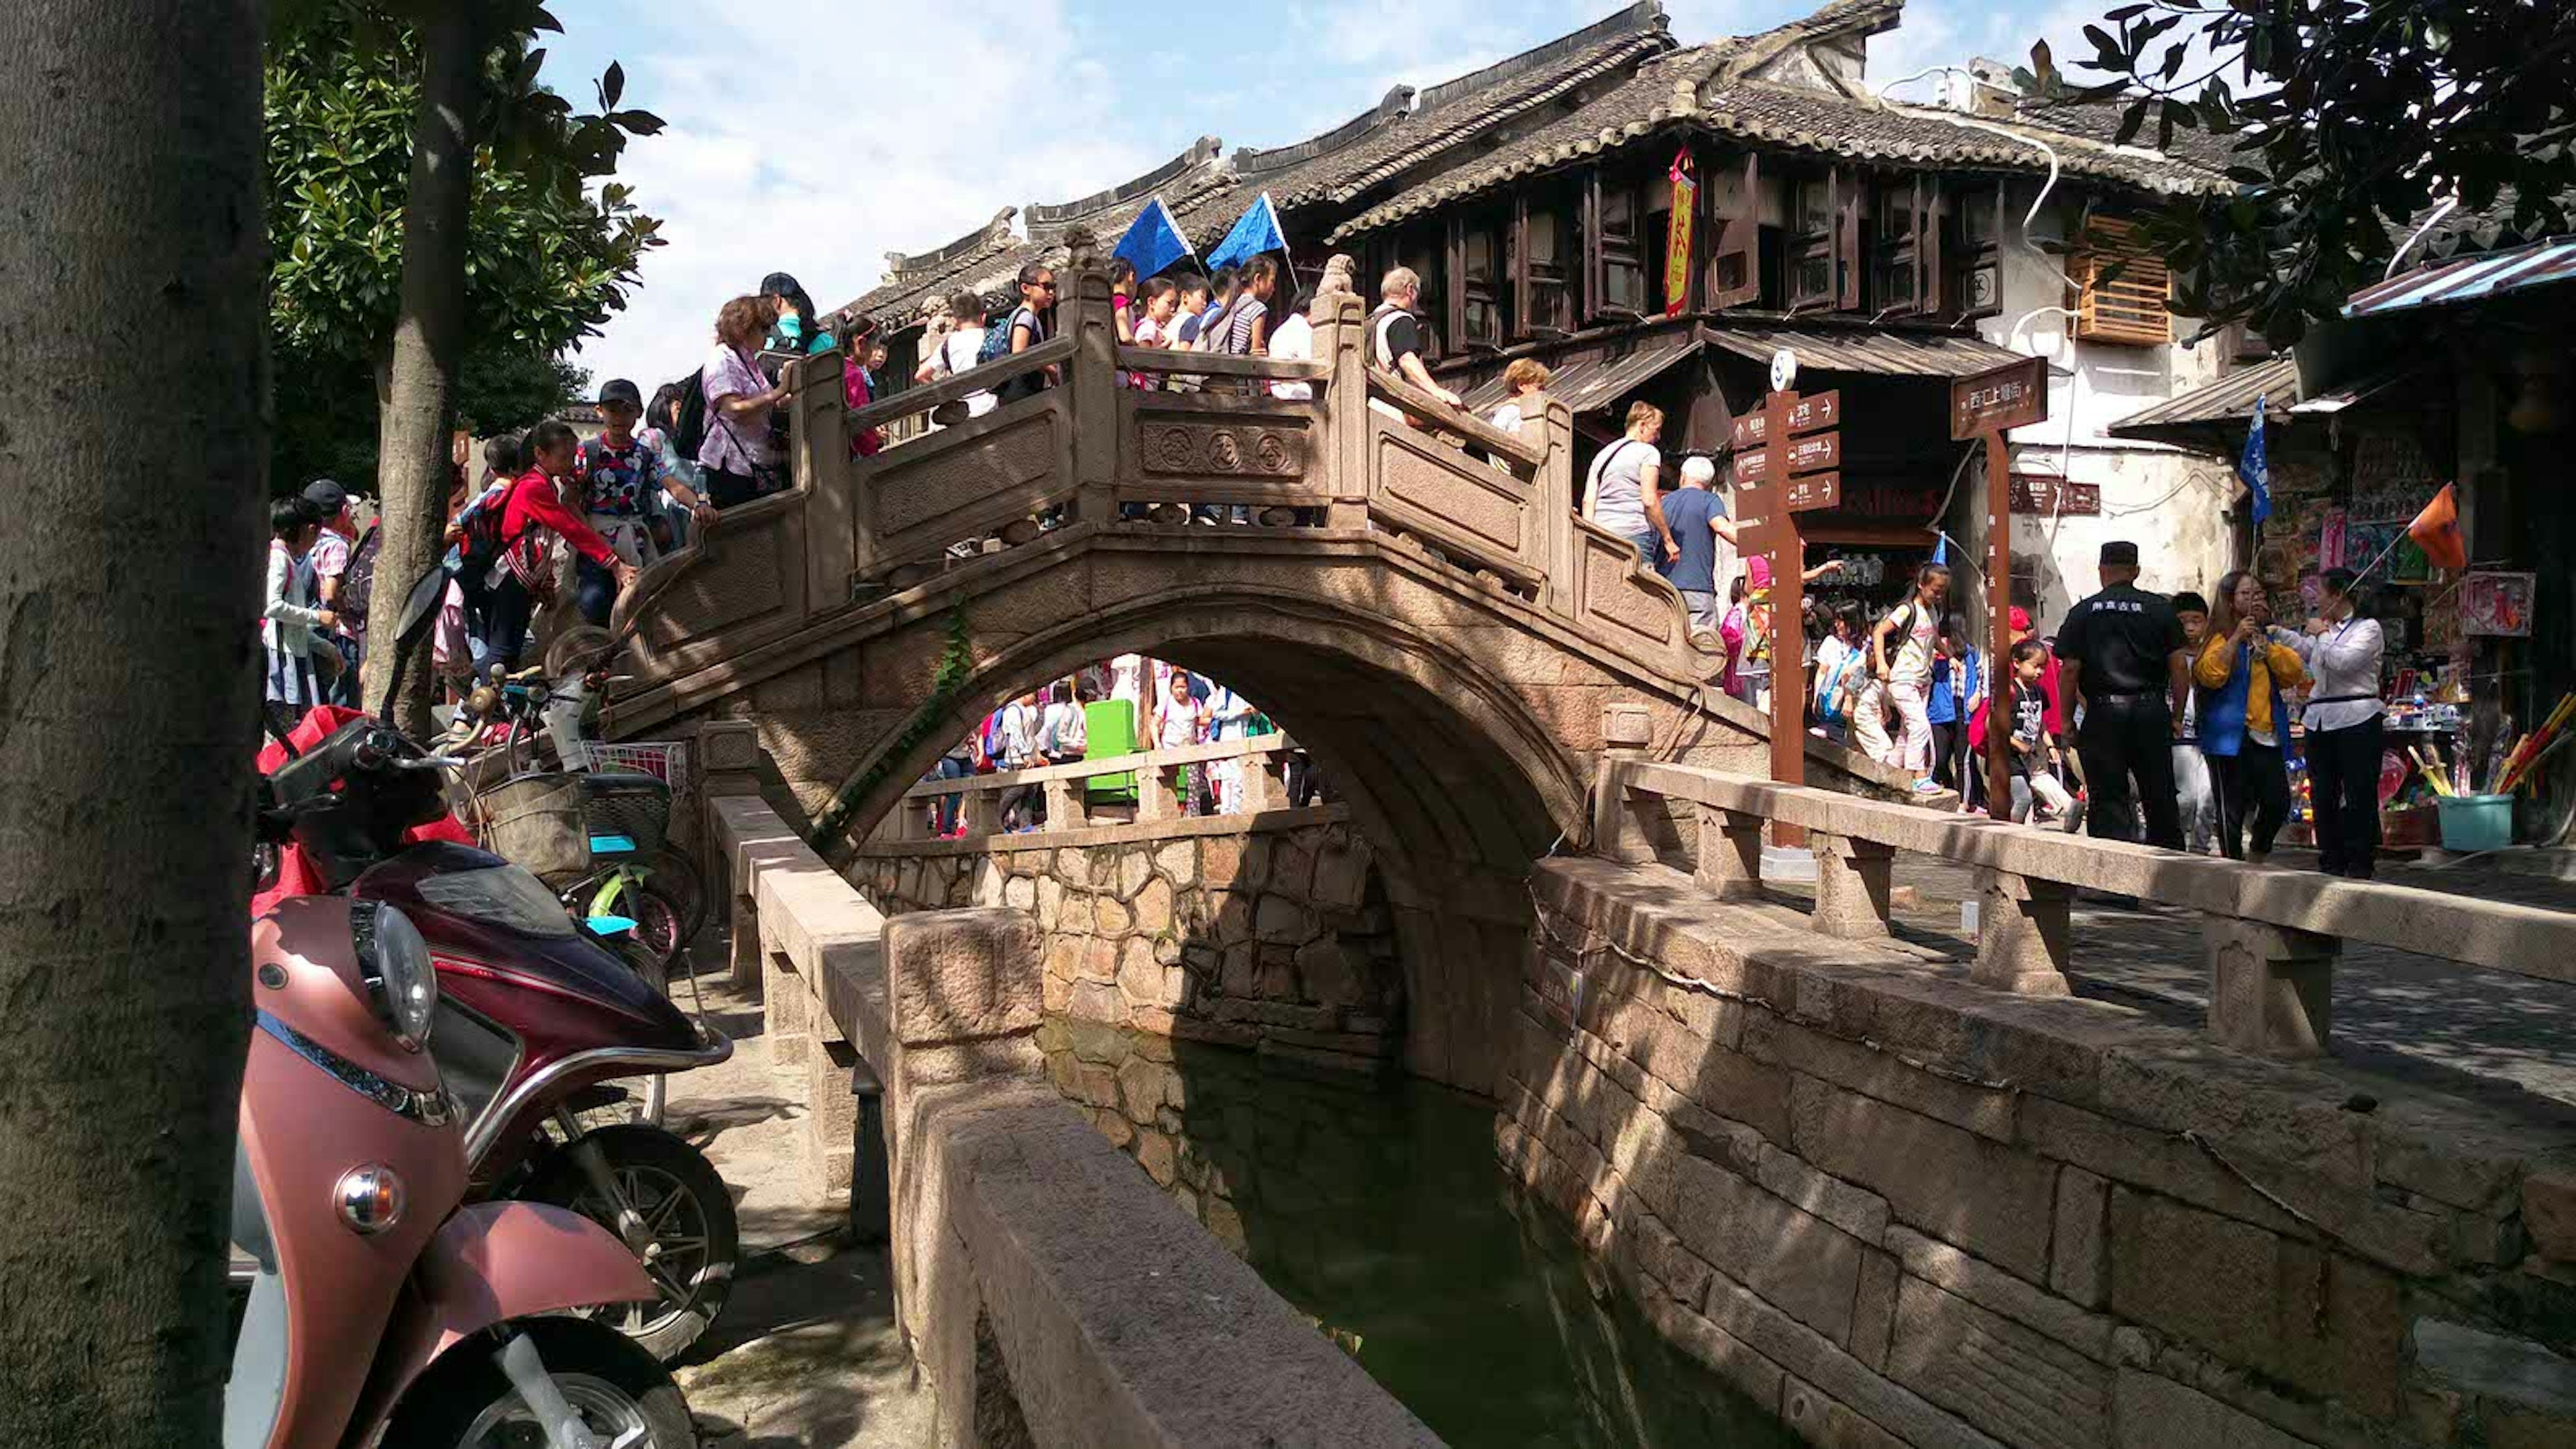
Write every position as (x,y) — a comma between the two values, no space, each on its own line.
(1416,602)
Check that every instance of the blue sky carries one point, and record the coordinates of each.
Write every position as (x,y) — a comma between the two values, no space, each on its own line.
(815,137)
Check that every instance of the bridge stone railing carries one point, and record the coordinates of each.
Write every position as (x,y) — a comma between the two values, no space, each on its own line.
(1361,452)
(1048,1291)
(2271,934)
(980,802)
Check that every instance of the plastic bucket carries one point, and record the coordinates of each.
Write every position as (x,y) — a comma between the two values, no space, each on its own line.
(2471,823)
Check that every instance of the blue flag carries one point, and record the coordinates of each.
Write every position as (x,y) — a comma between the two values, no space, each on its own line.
(1257,232)
(1153,241)
(2256,469)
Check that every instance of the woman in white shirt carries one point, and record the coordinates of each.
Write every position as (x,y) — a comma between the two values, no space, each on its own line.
(2342,652)
(957,348)
(1294,340)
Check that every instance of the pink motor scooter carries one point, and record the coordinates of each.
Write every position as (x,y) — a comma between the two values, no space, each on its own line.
(377,1310)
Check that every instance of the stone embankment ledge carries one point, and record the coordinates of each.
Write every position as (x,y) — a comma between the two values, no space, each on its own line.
(2271,937)
(1901,1207)
(1051,1293)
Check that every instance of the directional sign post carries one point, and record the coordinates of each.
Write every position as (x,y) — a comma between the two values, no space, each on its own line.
(1784,450)
(1985,406)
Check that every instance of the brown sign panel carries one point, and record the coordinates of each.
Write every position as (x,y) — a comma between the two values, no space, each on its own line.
(1752,466)
(1807,413)
(1815,451)
(1810,491)
(2011,396)
(2034,494)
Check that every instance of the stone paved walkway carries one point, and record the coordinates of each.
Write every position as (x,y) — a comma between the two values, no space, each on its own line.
(806,1355)
(2418,1017)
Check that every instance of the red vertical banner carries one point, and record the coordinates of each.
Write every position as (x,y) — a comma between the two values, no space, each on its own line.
(1677,246)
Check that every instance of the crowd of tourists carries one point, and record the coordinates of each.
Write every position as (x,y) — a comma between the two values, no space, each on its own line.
(1125,705)
(2145,717)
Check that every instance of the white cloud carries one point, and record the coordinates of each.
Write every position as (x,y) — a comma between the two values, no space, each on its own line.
(773,161)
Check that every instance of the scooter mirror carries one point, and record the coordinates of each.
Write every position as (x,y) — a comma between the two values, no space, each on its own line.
(420,608)
(421,605)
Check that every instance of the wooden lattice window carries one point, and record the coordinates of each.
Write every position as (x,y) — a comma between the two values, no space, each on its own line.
(2125,288)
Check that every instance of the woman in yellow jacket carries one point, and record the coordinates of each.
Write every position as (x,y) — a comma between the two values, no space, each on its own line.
(2242,672)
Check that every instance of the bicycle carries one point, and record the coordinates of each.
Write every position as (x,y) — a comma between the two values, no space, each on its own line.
(621,875)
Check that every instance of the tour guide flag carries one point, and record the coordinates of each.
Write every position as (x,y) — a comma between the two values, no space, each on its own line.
(2256,469)
(1153,241)
(2436,530)
(1257,232)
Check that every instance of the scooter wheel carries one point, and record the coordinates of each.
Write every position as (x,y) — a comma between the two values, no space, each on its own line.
(466,1402)
(673,1187)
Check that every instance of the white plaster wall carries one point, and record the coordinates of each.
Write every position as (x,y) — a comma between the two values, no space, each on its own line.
(2171,503)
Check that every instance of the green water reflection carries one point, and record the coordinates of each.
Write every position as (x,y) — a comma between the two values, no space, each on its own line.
(1377,1209)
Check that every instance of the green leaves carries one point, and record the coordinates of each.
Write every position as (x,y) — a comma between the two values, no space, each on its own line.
(551,253)
(2350,120)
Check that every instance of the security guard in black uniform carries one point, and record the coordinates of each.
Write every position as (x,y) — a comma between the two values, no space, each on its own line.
(2122,652)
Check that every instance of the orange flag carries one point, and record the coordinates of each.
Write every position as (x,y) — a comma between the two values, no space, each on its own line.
(2436,530)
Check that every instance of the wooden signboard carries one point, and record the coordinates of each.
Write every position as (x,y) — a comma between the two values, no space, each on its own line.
(1810,491)
(2011,396)
(1811,411)
(1813,452)
(2014,395)
(2032,493)
(1791,442)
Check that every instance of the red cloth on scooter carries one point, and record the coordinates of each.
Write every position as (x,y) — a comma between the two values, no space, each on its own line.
(295,876)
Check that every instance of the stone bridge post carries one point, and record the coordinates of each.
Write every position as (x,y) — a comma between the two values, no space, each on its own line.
(1341,338)
(1091,379)
(819,441)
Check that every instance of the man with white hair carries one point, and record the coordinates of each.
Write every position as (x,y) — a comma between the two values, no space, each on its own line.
(1395,338)
(1701,529)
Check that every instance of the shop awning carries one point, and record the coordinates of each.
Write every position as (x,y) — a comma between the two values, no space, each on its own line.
(2228,400)
(2469,279)
(1871,351)
(1599,380)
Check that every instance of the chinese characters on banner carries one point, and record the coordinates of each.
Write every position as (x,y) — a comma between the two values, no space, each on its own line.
(1677,250)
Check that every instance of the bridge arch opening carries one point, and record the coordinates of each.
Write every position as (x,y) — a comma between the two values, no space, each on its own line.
(1453,782)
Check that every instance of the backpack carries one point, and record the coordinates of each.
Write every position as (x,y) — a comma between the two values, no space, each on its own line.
(1833,706)
(690,433)
(481,522)
(359,580)
(997,340)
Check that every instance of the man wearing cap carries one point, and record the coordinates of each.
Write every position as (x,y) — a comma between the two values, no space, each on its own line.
(336,654)
(622,483)
(2122,653)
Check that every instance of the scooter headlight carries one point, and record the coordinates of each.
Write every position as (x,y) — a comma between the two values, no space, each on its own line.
(395,962)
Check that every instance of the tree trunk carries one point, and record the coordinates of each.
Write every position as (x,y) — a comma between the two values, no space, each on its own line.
(412,469)
(129,587)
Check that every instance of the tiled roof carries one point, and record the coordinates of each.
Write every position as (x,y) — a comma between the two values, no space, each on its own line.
(1693,87)
(1337,168)
(988,260)
(2228,400)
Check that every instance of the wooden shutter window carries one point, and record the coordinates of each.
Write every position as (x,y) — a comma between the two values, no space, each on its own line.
(2125,288)
(1735,260)
(1851,204)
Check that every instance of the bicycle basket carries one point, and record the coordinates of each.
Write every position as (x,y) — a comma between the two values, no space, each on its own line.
(537,822)
(657,758)
(626,813)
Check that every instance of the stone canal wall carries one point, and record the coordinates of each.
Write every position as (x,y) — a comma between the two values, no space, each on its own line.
(1268,931)
(1048,1293)
(1902,1209)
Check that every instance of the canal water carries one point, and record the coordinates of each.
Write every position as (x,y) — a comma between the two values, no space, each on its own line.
(1378,1210)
